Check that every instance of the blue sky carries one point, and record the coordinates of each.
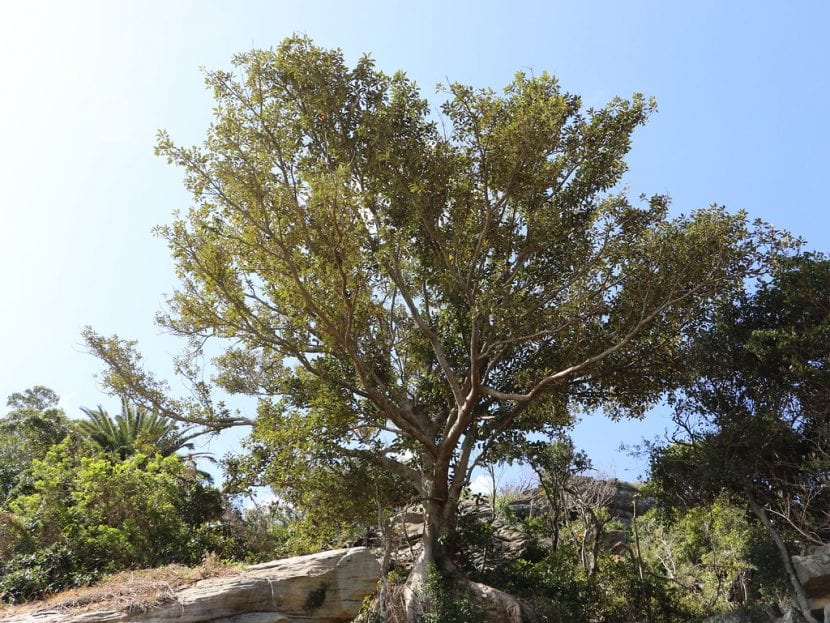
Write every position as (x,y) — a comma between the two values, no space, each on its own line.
(742,89)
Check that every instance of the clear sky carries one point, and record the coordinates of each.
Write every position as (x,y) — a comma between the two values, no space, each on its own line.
(742,88)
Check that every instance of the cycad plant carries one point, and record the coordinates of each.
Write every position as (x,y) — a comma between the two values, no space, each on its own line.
(134,430)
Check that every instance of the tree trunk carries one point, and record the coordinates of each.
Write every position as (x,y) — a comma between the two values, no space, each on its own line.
(439,522)
(800,595)
(436,528)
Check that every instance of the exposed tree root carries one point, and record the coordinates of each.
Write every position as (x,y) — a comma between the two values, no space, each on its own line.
(412,601)
(498,606)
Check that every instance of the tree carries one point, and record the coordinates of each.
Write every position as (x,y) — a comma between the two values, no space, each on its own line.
(410,290)
(134,430)
(34,424)
(561,470)
(755,417)
(715,553)
(37,398)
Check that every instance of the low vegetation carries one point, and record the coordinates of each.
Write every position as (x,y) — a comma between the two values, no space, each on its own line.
(135,590)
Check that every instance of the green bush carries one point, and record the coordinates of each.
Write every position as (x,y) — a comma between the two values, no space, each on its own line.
(558,589)
(116,514)
(81,516)
(31,576)
(220,539)
(266,532)
(705,548)
(555,586)
(447,602)
(625,596)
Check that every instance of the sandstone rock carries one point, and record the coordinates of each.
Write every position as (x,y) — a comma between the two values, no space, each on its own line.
(499,607)
(814,571)
(814,574)
(328,587)
(621,504)
(790,616)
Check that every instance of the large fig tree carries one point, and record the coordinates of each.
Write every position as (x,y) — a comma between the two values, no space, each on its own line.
(407,286)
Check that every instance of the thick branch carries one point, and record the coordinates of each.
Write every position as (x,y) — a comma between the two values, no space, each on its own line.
(437,349)
(541,385)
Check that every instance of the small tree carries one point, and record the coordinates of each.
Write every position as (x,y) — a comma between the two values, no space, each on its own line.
(569,493)
(33,425)
(410,292)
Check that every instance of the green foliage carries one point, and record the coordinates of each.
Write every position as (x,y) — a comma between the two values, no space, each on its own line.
(334,502)
(558,588)
(26,577)
(472,537)
(37,398)
(555,585)
(79,500)
(756,413)
(446,601)
(134,430)
(553,578)
(34,424)
(754,417)
(628,597)
(715,554)
(555,464)
(81,516)
(442,598)
(266,532)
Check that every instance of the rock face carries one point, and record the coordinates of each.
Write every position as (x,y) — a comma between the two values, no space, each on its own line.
(620,500)
(328,587)
(507,542)
(814,574)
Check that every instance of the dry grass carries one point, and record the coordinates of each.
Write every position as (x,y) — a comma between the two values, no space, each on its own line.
(132,591)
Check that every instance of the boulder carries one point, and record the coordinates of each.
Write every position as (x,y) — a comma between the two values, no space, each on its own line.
(328,587)
(814,571)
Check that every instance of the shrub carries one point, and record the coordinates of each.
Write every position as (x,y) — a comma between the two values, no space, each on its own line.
(447,602)
(84,516)
(31,576)
(707,549)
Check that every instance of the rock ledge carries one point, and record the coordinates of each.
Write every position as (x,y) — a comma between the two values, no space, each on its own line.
(328,587)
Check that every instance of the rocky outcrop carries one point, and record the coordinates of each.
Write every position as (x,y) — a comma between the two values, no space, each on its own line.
(506,541)
(328,587)
(814,574)
(623,500)
(626,501)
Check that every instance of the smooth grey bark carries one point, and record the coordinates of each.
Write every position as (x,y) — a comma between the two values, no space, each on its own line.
(799,593)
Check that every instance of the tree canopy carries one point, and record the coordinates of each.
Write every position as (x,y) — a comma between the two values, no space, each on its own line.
(34,423)
(407,287)
(755,417)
